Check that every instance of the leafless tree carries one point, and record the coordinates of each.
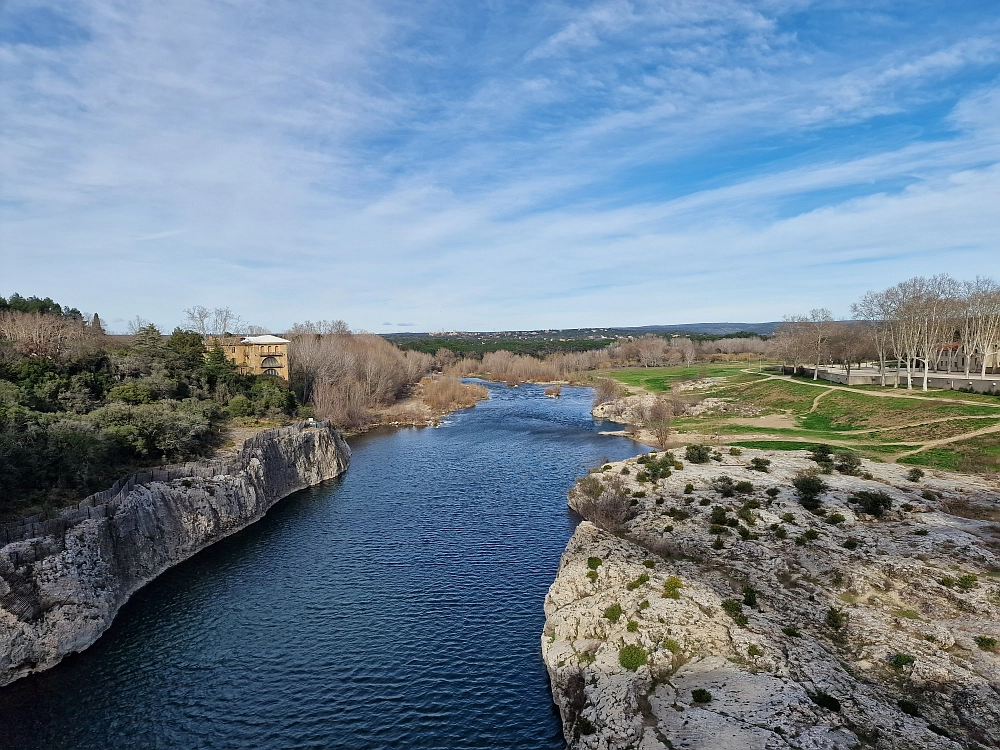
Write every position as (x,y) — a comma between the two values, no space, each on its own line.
(136,324)
(217,322)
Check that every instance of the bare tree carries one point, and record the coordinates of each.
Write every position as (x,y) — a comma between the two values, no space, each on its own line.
(217,322)
(661,415)
(136,324)
(197,319)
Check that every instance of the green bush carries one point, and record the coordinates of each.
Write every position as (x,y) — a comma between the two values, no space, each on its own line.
(968,581)
(672,588)
(901,661)
(872,503)
(734,608)
(671,645)
(632,626)
(724,486)
(791,631)
(240,406)
(750,596)
(649,564)
(592,575)
(850,543)
(754,651)
(915,474)
(772,492)
(614,612)
(594,562)
(632,657)
(718,516)
(633,585)
(744,487)
(908,707)
(835,518)
(644,604)
(718,543)
(811,535)
(788,517)
(688,488)
(704,501)
(781,532)
(700,695)
(986,643)
(809,487)
(835,618)
(760,464)
(848,462)
(697,454)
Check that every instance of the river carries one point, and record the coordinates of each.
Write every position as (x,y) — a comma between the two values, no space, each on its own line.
(399,605)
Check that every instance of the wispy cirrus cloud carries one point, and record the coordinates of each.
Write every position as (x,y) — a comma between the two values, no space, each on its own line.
(512,165)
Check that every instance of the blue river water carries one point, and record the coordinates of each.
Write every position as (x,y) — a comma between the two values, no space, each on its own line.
(398,606)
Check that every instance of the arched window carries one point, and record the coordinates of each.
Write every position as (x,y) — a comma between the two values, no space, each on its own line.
(270,362)
(271,372)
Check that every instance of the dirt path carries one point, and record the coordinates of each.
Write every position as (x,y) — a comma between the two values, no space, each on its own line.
(945,441)
(816,400)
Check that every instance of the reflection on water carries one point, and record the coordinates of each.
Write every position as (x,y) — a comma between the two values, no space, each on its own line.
(397,606)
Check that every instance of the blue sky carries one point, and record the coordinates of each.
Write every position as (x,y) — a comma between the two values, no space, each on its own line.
(494,165)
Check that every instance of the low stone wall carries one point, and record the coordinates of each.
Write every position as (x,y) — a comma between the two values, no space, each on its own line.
(63,580)
(951,382)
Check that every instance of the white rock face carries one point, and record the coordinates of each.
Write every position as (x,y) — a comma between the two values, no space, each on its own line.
(902,641)
(59,594)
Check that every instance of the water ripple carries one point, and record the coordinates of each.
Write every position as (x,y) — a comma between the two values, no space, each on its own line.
(398,606)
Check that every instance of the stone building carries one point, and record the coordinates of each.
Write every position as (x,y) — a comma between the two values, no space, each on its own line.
(256,355)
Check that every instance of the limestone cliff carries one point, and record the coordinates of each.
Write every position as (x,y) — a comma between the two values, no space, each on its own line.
(60,589)
(831,629)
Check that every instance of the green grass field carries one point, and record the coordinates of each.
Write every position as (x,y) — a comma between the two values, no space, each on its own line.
(804,413)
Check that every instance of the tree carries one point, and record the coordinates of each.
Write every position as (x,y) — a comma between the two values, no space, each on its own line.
(661,415)
(217,322)
(819,326)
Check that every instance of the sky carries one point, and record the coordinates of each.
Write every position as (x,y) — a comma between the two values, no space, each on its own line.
(494,165)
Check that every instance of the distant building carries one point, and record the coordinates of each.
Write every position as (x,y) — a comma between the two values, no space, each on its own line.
(256,355)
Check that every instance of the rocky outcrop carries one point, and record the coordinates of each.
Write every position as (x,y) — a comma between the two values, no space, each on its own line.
(59,591)
(832,629)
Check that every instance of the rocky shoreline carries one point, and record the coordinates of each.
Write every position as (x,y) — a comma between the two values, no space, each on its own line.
(61,589)
(709,613)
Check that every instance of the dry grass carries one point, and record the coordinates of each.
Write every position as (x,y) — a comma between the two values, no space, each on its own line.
(448,394)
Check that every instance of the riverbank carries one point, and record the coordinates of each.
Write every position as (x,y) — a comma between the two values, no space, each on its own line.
(714,610)
(61,586)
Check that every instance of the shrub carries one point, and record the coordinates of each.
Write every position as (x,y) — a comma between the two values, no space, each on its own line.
(632,657)
(592,575)
(848,462)
(947,582)
(724,486)
(633,585)
(825,700)
(625,471)
(781,532)
(872,503)
(718,543)
(644,604)
(908,707)
(678,515)
(672,588)
(671,645)
(240,406)
(811,535)
(668,529)
(744,532)
(632,626)
(986,643)
(735,452)
(688,488)
(697,454)
(915,474)
(750,596)
(744,487)
(901,661)
(921,532)
(704,501)
(718,516)
(968,581)
(594,562)
(928,495)
(639,493)
(649,564)
(809,488)
(788,518)
(605,504)
(583,725)
(835,518)
(760,464)
(820,453)
(754,650)
(850,543)
(772,492)
(614,612)
(734,608)
(700,695)
(791,631)
(835,618)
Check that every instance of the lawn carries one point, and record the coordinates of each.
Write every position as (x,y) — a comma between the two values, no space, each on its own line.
(879,427)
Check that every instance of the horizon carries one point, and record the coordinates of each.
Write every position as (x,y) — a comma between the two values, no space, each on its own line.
(510,168)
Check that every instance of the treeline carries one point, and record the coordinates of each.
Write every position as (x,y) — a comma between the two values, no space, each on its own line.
(917,326)
(467,348)
(78,409)
(17,303)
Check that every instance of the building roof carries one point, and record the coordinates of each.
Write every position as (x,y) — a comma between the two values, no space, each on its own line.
(267,339)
